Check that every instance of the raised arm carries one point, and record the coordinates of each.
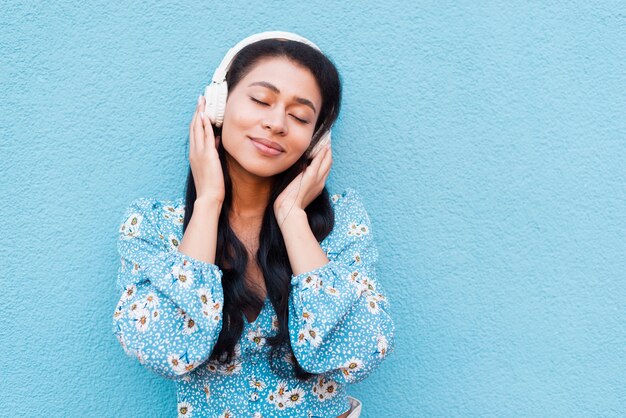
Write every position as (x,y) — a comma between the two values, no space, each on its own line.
(339,318)
(169,314)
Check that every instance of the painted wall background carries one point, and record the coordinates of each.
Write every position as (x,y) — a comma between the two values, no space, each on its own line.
(486,138)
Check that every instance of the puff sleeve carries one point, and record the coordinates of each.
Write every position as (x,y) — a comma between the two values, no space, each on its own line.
(339,320)
(169,314)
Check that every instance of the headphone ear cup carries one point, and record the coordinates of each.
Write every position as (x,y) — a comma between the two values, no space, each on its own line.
(320,144)
(215,95)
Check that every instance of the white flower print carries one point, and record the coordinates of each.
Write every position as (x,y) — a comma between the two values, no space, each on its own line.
(350,367)
(254,396)
(205,296)
(279,396)
(332,291)
(324,388)
(132,308)
(275,324)
(212,311)
(312,335)
(372,304)
(189,325)
(141,317)
(118,314)
(177,365)
(256,336)
(307,316)
(379,297)
(184,410)
(313,282)
(301,337)
(231,368)
(335,198)
(156,315)
(151,300)
(357,230)
(369,284)
(256,383)
(257,415)
(207,392)
(210,308)
(227,414)
(175,214)
(131,227)
(182,275)
(357,258)
(212,367)
(173,241)
(129,292)
(382,345)
(294,397)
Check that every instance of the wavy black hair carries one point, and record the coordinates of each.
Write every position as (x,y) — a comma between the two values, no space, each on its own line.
(272,258)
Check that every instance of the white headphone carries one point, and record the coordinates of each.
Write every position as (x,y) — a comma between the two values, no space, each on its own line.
(216,93)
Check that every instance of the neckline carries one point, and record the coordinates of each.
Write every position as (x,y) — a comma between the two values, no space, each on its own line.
(263,309)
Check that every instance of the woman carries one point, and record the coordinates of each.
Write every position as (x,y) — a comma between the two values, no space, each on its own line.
(257,294)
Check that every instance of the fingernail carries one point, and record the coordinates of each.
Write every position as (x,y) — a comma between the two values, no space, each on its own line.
(199,100)
(202,115)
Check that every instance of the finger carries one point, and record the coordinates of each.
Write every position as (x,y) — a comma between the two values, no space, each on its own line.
(192,134)
(319,161)
(209,138)
(327,161)
(315,163)
(198,128)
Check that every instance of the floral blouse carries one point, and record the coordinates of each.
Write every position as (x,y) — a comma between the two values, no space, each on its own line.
(169,316)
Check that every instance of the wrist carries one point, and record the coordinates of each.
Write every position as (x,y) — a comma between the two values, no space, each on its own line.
(207,204)
(288,216)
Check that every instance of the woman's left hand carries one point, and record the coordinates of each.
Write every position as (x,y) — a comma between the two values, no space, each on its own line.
(305,187)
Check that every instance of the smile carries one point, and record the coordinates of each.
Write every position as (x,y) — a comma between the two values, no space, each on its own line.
(265,150)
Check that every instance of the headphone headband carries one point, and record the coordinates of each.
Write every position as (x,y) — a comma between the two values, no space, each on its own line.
(220,73)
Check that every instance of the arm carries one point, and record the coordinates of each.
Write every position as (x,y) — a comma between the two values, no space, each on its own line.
(339,323)
(170,311)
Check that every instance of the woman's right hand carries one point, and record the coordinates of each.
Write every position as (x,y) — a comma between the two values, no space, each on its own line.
(203,157)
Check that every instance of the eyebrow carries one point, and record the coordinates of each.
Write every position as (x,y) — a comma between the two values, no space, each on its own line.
(272,87)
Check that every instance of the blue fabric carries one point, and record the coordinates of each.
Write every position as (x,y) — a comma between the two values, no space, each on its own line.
(169,317)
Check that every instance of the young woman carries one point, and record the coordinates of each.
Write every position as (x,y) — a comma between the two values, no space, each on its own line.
(258,292)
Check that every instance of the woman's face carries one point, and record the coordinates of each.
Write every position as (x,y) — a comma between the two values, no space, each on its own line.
(277,101)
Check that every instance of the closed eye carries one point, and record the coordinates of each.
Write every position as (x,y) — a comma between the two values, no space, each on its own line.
(266,104)
(258,101)
(300,120)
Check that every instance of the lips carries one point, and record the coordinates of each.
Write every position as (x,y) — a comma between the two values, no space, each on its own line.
(268,143)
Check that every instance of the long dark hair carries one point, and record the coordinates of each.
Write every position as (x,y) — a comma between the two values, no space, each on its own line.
(231,255)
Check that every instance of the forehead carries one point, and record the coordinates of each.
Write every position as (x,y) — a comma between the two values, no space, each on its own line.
(290,78)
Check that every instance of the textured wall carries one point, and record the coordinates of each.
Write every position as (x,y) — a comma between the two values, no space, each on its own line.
(486,138)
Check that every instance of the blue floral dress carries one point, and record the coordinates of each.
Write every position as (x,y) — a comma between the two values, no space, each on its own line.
(169,316)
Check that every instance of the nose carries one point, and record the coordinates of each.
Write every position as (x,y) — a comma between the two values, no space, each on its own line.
(275,121)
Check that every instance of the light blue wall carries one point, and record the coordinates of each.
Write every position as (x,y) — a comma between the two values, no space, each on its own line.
(488,141)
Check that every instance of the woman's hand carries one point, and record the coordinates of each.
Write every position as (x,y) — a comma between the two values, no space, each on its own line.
(305,187)
(203,157)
